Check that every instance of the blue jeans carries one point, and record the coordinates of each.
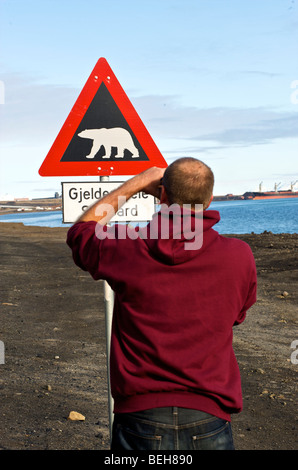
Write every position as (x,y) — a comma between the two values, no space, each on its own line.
(170,428)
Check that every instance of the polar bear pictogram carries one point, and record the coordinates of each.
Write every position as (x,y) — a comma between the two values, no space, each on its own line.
(108,138)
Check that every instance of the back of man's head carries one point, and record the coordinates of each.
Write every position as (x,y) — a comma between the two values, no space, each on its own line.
(188,181)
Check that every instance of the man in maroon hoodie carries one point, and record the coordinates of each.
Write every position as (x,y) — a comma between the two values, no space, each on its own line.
(174,377)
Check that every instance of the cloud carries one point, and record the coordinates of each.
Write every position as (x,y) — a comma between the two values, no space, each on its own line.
(260,73)
(34,112)
(263,131)
(217,126)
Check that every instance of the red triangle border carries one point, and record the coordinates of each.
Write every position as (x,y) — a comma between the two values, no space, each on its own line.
(52,166)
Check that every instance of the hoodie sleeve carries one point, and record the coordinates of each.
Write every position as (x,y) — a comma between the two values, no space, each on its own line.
(251,296)
(85,246)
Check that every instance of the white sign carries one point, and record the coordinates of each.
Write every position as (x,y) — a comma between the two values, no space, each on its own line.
(77,197)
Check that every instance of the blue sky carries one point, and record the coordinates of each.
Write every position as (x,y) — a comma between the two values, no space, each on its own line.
(209,78)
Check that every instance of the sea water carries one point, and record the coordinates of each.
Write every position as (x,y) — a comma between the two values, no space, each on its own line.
(237,217)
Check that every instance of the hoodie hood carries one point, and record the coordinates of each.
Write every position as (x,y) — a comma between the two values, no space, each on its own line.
(176,235)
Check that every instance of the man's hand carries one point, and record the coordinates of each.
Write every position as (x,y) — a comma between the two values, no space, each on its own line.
(150,180)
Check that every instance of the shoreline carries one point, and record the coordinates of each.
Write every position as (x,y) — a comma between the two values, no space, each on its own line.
(240,235)
(9,211)
(20,206)
(256,222)
(53,328)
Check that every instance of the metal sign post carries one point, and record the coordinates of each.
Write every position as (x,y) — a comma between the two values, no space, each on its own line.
(109,307)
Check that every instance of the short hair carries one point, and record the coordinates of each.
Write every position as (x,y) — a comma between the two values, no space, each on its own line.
(188,181)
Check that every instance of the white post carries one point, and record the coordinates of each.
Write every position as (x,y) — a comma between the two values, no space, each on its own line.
(109,307)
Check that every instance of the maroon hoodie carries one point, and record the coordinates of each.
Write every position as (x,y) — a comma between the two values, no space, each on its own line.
(174,313)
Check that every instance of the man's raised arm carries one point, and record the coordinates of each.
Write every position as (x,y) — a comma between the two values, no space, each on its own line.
(104,209)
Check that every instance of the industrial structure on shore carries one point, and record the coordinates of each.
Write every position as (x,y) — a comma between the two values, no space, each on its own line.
(275,194)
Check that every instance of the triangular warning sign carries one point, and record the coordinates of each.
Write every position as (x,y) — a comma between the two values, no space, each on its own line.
(103,134)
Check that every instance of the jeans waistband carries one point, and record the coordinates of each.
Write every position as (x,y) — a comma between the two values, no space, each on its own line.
(172,415)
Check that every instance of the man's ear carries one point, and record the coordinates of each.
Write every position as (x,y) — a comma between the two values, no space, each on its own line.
(209,202)
(163,196)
